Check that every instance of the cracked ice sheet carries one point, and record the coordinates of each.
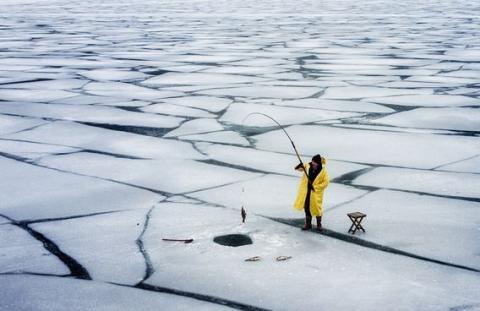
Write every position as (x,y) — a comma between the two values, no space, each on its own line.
(338,105)
(434,182)
(20,252)
(438,228)
(177,110)
(391,128)
(103,244)
(461,119)
(271,162)
(104,140)
(39,293)
(427,100)
(377,147)
(34,95)
(29,192)
(32,151)
(264,92)
(126,90)
(245,70)
(226,137)
(13,124)
(112,74)
(128,103)
(326,263)
(442,79)
(46,61)
(205,58)
(237,113)
(195,126)
(60,84)
(281,192)
(350,92)
(89,100)
(88,113)
(210,103)
(170,175)
(414,85)
(176,78)
(467,166)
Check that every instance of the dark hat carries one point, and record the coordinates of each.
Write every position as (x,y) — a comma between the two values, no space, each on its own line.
(317,159)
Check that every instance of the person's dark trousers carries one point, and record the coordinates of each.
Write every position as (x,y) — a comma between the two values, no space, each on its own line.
(308,215)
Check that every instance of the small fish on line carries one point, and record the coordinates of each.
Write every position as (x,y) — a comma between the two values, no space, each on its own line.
(244,215)
(254,258)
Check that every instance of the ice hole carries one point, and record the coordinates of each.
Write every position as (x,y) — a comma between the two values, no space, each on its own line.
(234,240)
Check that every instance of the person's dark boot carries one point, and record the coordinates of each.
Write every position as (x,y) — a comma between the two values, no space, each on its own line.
(308,223)
(319,223)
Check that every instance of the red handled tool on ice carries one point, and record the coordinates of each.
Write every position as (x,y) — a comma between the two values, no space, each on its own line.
(289,138)
(186,241)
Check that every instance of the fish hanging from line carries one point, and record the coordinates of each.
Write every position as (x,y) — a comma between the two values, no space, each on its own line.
(244,214)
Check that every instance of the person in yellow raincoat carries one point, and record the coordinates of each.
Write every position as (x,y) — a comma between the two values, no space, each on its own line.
(308,199)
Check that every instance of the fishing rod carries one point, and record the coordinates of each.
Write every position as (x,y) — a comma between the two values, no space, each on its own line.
(289,138)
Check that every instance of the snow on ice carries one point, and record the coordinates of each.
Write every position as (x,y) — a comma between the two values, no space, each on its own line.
(122,124)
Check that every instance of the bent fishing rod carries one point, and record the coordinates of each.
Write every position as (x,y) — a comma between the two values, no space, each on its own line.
(289,138)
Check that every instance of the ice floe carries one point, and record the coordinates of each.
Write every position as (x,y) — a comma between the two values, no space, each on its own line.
(65,84)
(168,175)
(205,58)
(112,75)
(443,79)
(351,92)
(179,265)
(210,103)
(32,95)
(88,113)
(177,110)
(264,92)
(226,137)
(462,119)
(272,195)
(338,105)
(42,294)
(20,252)
(270,162)
(12,124)
(121,143)
(435,182)
(173,78)
(196,126)
(31,151)
(389,128)
(89,100)
(246,70)
(471,165)
(110,237)
(126,90)
(374,147)
(428,100)
(127,103)
(237,112)
(30,192)
(434,231)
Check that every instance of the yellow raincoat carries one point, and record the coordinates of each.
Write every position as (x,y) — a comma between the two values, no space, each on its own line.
(316,197)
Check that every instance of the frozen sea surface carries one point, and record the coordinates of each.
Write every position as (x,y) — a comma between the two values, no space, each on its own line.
(122,123)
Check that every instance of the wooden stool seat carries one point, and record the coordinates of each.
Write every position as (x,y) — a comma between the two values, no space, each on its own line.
(356,218)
